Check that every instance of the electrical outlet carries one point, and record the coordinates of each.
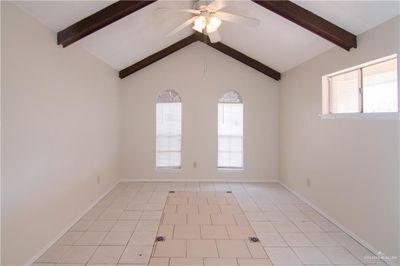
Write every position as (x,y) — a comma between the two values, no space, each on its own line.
(308,182)
(194,164)
(98,179)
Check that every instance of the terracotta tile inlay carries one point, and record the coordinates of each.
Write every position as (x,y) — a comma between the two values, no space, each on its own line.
(199,225)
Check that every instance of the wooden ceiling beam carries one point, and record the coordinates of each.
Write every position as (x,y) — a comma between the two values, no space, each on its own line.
(240,57)
(99,20)
(157,56)
(311,22)
(204,39)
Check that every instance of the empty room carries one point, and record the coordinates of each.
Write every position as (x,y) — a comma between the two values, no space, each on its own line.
(200,132)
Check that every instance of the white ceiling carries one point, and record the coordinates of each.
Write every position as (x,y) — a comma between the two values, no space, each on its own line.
(277,42)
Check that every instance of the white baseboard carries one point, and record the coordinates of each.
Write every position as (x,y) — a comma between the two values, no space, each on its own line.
(168,180)
(49,244)
(342,227)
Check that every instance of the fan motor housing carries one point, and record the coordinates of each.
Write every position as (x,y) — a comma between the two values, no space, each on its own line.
(201,4)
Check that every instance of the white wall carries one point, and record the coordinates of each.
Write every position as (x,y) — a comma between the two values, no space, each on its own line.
(352,164)
(200,75)
(60,121)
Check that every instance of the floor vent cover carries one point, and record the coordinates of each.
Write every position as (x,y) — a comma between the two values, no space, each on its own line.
(160,238)
(254,239)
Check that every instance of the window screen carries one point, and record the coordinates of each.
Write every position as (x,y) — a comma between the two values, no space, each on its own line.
(168,130)
(230,131)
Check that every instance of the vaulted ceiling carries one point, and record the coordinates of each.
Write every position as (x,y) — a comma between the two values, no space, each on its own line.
(277,43)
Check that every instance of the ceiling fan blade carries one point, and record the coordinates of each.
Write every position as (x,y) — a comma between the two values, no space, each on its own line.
(182,26)
(252,22)
(214,36)
(171,10)
(193,11)
(217,5)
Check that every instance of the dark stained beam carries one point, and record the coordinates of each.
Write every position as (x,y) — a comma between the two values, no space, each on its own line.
(202,38)
(157,56)
(311,22)
(240,57)
(99,20)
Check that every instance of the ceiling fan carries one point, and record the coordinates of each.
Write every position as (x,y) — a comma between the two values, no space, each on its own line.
(207,19)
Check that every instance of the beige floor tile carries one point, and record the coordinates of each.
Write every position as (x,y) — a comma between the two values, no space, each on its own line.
(111,214)
(151,215)
(186,208)
(263,227)
(223,219)
(275,216)
(170,208)
(102,225)
(282,256)
(256,250)
(171,248)
(136,255)
(240,231)
(258,262)
(107,255)
(201,249)
(309,227)
(142,239)
(311,255)
(177,200)
(220,262)
(186,261)
(296,239)
(241,219)
(339,255)
(271,240)
(46,264)
(233,249)
(125,225)
(255,216)
(116,238)
(159,262)
(147,226)
(78,254)
(136,206)
(81,225)
(171,218)
(166,230)
(73,264)
(53,254)
(198,200)
(187,231)
(214,232)
(130,215)
(232,209)
(322,239)
(199,218)
(286,227)
(91,239)
(69,238)
(210,209)
(217,200)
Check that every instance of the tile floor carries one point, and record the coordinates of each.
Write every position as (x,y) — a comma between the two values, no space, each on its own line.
(204,225)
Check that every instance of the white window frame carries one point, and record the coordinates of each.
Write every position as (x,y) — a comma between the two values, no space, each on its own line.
(168,168)
(327,94)
(235,169)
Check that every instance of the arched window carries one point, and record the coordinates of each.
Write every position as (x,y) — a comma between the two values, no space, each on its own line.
(230,131)
(168,130)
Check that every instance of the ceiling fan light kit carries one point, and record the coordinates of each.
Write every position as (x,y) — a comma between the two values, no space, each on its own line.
(207,19)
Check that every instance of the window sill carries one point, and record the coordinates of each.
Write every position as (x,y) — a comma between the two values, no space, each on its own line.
(362,116)
(168,169)
(231,169)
